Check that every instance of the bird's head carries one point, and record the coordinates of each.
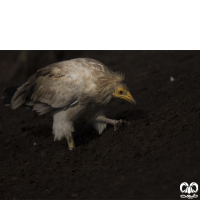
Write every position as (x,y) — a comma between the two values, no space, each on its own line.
(122,92)
(111,84)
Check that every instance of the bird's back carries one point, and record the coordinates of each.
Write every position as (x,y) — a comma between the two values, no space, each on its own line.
(60,85)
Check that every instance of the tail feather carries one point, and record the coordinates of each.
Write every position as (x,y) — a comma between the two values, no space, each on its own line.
(42,108)
(22,94)
(17,96)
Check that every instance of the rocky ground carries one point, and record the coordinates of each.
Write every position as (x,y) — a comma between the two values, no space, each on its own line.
(148,160)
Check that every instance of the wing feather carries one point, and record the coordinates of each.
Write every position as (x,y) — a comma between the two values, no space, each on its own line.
(49,86)
(59,85)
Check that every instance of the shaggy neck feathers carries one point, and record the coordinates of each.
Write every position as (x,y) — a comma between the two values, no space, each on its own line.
(106,84)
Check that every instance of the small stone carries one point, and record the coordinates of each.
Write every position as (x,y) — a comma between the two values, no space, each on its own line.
(172,79)
(74,194)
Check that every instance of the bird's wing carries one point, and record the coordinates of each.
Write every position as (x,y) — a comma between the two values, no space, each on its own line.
(61,84)
(57,92)
(58,85)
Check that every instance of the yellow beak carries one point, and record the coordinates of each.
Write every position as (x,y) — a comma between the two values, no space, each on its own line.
(128,97)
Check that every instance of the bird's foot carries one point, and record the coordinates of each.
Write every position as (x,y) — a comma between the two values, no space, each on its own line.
(70,141)
(119,123)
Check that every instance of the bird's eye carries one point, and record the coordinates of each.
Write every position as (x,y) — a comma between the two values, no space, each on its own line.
(121,92)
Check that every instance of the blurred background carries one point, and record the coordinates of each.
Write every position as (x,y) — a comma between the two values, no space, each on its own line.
(17,66)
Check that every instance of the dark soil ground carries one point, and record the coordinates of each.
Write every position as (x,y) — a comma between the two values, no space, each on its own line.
(148,160)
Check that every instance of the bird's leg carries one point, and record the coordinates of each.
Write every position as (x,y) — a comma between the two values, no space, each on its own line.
(62,127)
(117,123)
(70,141)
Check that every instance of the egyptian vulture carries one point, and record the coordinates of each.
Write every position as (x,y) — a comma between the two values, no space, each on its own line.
(72,90)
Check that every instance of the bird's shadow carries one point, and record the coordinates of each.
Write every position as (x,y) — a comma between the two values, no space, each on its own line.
(84,132)
(40,131)
(131,114)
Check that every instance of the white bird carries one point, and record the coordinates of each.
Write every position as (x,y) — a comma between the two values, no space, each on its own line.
(72,90)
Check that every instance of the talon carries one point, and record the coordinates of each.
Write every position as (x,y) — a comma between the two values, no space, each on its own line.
(120,123)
